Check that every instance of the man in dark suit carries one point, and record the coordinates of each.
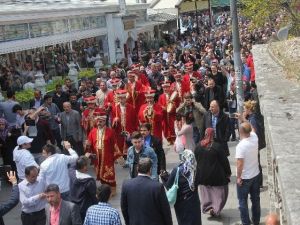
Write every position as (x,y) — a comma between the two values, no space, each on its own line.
(66,212)
(213,92)
(156,144)
(219,121)
(37,101)
(71,128)
(60,97)
(143,200)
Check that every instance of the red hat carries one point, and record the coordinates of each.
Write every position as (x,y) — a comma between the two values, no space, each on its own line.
(166,84)
(149,93)
(100,113)
(188,65)
(121,93)
(90,99)
(115,81)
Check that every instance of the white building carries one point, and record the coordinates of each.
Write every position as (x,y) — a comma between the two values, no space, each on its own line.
(27,26)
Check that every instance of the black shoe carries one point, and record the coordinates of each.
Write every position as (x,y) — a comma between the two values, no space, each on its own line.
(233,139)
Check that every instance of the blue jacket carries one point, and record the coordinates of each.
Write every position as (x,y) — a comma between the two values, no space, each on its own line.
(146,152)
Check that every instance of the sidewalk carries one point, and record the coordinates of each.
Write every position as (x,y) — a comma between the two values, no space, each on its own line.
(229,215)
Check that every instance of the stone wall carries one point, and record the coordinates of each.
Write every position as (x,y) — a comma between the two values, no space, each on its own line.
(280,105)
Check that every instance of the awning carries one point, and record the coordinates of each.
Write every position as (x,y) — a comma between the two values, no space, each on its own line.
(219,3)
(190,5)
(162,17)
(147,26)
(26,44)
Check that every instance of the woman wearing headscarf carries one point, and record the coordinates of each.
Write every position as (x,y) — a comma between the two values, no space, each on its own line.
(187,206)
(213,172)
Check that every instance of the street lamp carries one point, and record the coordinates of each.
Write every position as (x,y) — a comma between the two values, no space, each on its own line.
(237,55)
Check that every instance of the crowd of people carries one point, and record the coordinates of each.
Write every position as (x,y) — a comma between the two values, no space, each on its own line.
(17,73)
(185,94)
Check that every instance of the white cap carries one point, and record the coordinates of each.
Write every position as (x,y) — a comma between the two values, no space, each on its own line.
(24,140)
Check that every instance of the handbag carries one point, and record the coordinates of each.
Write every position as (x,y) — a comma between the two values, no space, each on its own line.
(172,192)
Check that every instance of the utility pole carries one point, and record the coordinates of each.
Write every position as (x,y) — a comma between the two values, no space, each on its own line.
(196,11)
(237,55)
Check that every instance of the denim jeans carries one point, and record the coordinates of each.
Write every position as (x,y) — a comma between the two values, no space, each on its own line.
(249,186)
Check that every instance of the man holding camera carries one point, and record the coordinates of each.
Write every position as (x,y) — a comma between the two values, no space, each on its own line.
(38,128)
(198,112)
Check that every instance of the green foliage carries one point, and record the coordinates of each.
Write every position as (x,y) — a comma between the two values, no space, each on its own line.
(51,87)
(24,96)
(263,11)
(88,73)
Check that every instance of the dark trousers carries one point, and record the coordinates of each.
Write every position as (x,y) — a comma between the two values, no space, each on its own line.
(260,171)
(233,122)
(57,137)
(196,135)
(76,145)
(249,186)
(35,218)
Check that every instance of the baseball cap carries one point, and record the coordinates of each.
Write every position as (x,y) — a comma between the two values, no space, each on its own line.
(23,140)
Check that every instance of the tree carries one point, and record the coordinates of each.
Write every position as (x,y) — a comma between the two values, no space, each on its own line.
(262,11)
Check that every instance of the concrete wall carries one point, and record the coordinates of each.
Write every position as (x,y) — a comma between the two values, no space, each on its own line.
(280,105)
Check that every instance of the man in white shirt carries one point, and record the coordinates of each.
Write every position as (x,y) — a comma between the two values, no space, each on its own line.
(22,156)
(248,174)
(102,93)
(32,198)
(54,170)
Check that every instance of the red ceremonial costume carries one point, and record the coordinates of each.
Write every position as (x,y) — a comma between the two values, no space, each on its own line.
(124,121)
(152,114)
(190,73)
(102,142)
(169,103)
(87,119)
(140,76)
(135,95)
(111,98)
(181,87)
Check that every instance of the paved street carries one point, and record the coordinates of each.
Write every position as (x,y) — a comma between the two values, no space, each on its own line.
(229,216)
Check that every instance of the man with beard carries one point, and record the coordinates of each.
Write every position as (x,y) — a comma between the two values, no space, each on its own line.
(124,120)
(102,142)
(87,120)
(169,102)
(151,112)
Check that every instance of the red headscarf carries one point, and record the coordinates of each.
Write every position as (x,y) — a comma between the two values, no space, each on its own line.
(208,138)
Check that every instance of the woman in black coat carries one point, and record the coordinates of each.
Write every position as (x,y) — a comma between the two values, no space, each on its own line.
(213,171)
(187,206)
